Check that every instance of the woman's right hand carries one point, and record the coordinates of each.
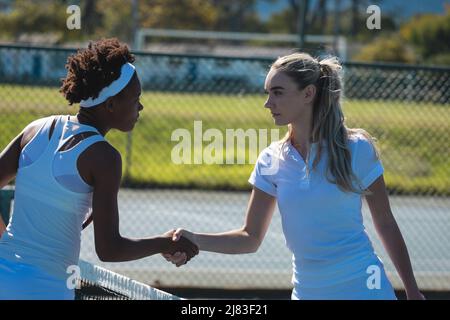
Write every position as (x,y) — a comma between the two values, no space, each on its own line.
(178,258)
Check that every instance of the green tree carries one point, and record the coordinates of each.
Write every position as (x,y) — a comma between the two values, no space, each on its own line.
(320,14)
(321,20)
(385,49)
(115,19)
(34,17)
(177,14)
(430,34)
(282,22)
(92,16)
(238,16)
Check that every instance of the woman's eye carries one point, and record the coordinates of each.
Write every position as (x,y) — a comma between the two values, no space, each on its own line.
(277,93)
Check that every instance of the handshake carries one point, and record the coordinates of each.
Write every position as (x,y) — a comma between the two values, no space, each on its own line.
(182,247)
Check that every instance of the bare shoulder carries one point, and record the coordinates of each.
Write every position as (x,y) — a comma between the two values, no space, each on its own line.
(102,155)
(31,129)
(100,163)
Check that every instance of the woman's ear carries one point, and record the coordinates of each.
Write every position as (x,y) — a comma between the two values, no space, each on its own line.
(110,104)
(309,93)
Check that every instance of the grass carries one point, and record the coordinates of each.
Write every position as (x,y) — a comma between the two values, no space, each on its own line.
(413,138)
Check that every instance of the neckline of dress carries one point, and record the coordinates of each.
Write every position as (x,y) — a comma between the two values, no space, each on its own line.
(81,124)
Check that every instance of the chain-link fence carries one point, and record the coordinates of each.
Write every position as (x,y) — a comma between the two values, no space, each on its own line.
(172,178)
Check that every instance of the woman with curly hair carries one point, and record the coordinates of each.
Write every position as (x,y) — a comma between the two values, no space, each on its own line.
(67,173)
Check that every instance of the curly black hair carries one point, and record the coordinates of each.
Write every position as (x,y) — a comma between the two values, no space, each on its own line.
(92,69)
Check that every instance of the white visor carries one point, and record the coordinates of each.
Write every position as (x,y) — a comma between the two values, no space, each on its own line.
(126,73)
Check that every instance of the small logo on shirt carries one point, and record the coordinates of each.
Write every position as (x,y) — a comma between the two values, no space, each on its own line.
(272,168)
(374,280)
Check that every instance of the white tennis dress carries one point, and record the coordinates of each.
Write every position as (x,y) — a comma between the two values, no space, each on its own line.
(333,257)
(51,202)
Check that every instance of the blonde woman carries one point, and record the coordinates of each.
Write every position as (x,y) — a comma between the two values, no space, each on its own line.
(318,175)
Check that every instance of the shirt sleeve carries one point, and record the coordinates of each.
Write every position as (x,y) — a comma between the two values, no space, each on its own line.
(366,165)
(263,173)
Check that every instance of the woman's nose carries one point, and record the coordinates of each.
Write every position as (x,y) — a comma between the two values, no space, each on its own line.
(268,104)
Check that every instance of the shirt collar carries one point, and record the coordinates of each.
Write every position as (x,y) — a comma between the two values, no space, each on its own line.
(290,152)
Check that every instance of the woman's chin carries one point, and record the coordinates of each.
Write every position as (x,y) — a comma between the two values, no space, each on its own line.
(279,122)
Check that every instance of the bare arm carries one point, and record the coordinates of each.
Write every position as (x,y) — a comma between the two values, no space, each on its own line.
(106,173)
(246,239)
(9,159)
(390,235)
(2,226)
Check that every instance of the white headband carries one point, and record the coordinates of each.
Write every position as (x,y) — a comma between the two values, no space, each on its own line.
(126,72)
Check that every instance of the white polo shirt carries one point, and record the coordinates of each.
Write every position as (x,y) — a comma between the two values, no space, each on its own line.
(322,225)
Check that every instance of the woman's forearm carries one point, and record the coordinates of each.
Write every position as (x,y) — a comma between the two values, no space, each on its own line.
(395,246)
(2,226)
(230,242)
(125,249)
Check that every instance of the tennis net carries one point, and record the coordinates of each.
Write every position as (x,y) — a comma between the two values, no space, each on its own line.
(97,283)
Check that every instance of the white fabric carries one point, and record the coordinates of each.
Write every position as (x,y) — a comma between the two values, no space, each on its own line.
(44,234)
(322,225)
(126,73)
(65,165)
(21,281)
